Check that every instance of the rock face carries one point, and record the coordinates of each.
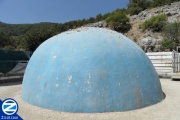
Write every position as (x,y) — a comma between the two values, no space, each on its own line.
(90,70)
(148,43)
(172,11)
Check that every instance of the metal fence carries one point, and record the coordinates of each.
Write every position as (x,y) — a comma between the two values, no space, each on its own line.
(176,62)
(165,62)
(18,70)
(162,61)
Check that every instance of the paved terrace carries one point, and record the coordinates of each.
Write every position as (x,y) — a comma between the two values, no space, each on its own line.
(168,109)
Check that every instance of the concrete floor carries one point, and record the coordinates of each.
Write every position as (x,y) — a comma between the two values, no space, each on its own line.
(168,109)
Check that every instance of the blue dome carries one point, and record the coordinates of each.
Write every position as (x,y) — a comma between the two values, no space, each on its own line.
(90,70)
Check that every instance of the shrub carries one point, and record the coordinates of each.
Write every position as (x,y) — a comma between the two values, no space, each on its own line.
(171,36)
(8,47)
(157,3)
(118,21)
(155,23)
(135,10)
(136,6)
(167,45)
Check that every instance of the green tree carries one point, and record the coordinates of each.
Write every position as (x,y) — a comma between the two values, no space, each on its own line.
(118,21)
(19,42)
(136,6)
(84,21)
(91,20)
(156,3)
(171,35)
(99,17)
(4,39)
(8,47)
(105,16)
(36,37)
(167,45)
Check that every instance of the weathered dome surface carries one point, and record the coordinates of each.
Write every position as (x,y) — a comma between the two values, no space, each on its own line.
(90,70)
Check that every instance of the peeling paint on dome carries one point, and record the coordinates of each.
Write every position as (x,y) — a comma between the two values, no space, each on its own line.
(92,70)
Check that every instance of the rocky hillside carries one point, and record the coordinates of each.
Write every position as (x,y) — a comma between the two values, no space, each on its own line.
(30,36)
(147,40)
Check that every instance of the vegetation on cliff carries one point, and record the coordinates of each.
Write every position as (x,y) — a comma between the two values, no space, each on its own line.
(155,23)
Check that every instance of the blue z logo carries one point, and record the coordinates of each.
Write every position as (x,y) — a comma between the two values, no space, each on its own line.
(9,106)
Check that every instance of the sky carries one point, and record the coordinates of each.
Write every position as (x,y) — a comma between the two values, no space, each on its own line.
(57,11)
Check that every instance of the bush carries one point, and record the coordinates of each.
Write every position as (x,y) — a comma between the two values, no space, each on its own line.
(8,47)
(155,23)
(167,45)
(135,10)
(99,17)
(172,32)
(171,36)
(136,6)
(118,21)
(157,3)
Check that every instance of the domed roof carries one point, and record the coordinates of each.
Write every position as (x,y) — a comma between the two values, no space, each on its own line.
(90,70)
